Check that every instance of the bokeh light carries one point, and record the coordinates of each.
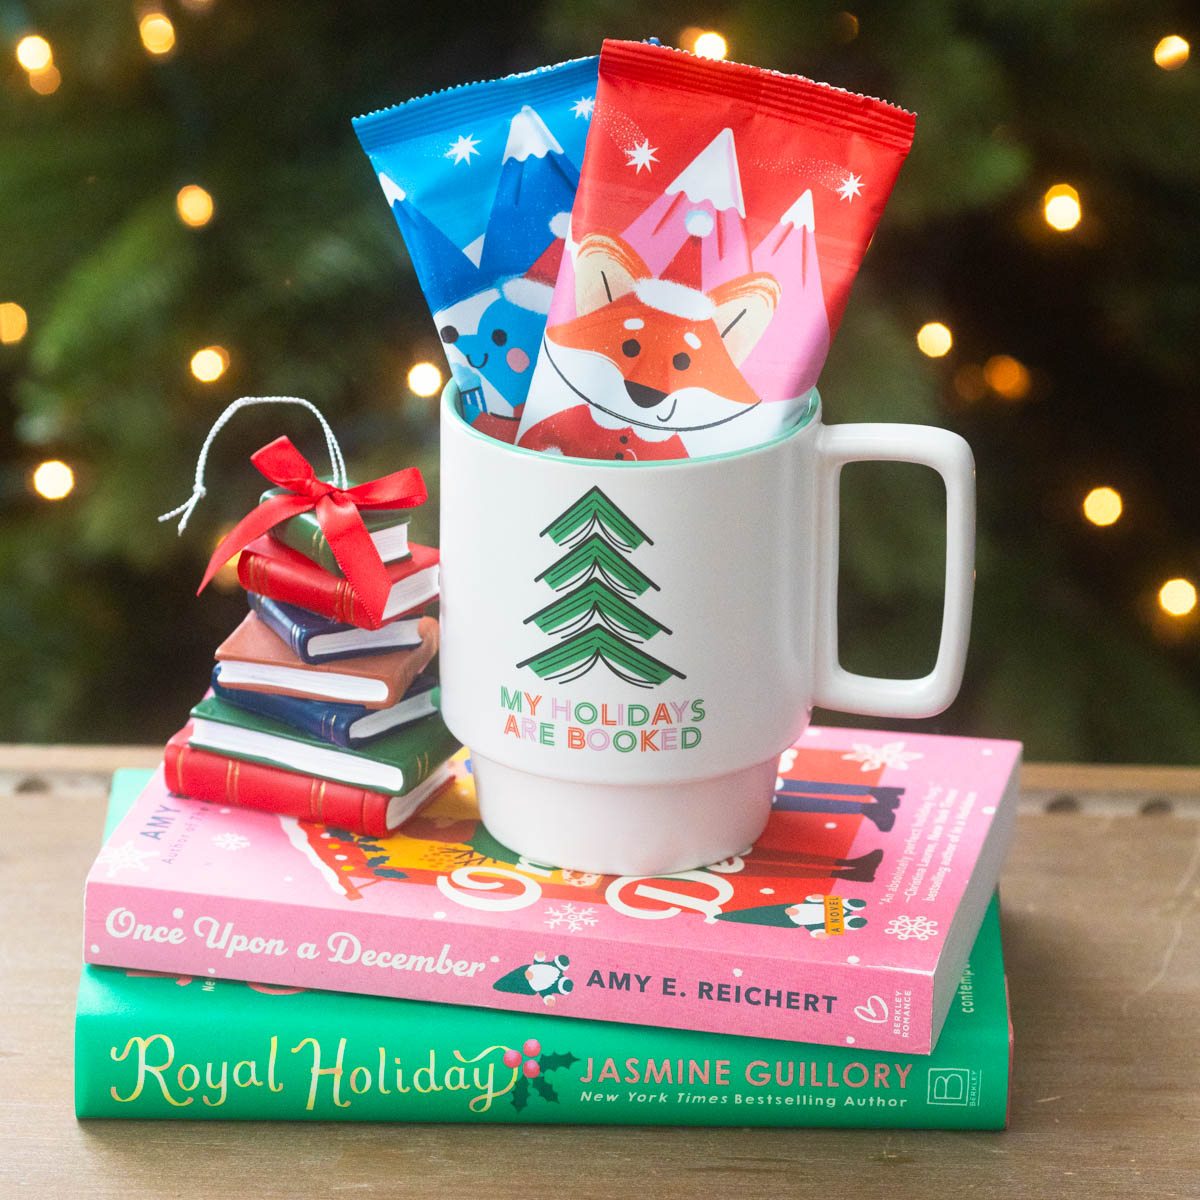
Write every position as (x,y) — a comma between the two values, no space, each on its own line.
(45,82)
(425,379)
(1102,505)
(157,33)
(710,44)
(226,577)
(969,383)
(13,322)
(1007,377)
(210,363)
(934,339)
(34,53)
(53,480)
(845,26)
(1061,207)
(1177,597)
(194,205)
(1171,52)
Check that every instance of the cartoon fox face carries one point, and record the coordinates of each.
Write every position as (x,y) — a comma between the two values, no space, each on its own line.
(654,354)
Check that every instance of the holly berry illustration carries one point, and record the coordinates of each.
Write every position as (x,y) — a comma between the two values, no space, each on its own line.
(525,1058)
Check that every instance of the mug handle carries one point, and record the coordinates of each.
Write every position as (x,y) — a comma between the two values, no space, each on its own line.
(950,456)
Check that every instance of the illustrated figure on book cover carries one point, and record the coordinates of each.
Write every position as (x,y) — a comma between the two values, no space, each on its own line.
(545,977)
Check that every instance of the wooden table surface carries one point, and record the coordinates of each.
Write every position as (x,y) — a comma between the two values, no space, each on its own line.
(1101,919)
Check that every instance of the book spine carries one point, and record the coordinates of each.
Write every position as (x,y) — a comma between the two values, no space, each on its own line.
(219,779)
(306,538)
(466,961)
(318,720)
(272,616)
(200,1053)
(308,587)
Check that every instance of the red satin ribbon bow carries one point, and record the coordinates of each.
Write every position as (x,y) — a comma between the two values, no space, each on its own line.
(337,512)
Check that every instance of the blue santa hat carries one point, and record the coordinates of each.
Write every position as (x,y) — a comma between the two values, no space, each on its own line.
(446,274)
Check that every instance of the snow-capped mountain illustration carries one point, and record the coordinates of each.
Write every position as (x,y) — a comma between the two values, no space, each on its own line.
(701,213)
(798,337)
(447,273)
(537,182)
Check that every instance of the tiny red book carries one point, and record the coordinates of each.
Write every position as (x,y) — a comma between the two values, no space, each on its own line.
(218,779)
(270,568)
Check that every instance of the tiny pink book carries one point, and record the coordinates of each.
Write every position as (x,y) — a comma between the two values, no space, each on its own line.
(847,923)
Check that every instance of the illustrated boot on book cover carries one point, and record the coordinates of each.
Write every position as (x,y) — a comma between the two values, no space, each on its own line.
(797,795)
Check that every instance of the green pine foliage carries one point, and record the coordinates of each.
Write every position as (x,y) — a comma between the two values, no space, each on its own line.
(302,276)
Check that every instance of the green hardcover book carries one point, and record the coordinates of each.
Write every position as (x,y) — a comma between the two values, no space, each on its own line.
(388,528)
(394,764)
(159,1046)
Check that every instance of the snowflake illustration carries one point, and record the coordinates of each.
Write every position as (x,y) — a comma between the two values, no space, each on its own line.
(905,927)
(231,841)
(890,754)
(583,107)
(124,857)
(570,918)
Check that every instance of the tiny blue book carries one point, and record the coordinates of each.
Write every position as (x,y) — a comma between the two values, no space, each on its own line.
(314,639)
(346,725)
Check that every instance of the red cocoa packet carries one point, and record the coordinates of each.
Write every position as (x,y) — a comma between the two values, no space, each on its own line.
(721,215)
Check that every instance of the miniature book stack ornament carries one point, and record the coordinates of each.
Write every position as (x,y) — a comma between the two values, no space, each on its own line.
(363,595)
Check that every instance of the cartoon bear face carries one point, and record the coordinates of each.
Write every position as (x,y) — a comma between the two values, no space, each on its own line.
(491,344)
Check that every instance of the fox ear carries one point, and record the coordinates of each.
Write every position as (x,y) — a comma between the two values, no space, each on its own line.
(744,308)
(605,269)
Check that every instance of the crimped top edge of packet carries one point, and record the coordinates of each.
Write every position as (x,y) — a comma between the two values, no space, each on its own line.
(465,101)
(786,95)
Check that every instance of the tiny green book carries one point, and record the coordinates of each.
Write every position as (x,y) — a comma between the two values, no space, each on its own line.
(394,764)
(152,1046)
(388,528)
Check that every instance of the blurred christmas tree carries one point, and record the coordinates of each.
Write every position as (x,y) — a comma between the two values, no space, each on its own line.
(183,178)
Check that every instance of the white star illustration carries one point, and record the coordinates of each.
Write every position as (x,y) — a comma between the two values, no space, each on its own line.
(851,187)
(462,148)
(583,107)
(124,857)
(642,155)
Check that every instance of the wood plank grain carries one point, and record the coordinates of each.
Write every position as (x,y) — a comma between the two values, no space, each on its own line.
(48,759)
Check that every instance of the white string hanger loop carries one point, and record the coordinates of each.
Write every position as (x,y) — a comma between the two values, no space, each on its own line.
(199,491)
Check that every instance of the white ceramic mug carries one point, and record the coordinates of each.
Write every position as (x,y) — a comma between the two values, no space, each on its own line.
(628,648)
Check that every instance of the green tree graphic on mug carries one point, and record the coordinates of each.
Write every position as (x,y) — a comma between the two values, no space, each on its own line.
(596,618)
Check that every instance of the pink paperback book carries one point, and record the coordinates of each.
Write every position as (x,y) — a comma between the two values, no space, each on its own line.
(848,923)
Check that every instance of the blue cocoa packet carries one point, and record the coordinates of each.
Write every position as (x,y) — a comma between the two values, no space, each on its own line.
(481,179)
